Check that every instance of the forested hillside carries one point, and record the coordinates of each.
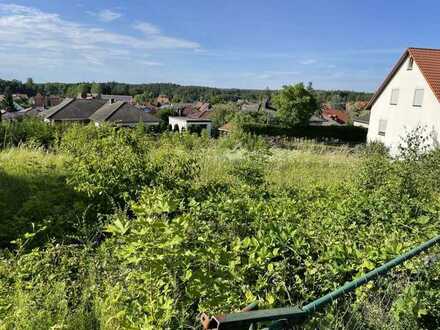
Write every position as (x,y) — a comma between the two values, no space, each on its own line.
(178,93)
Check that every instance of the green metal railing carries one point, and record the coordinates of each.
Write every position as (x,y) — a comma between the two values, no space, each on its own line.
(288,316)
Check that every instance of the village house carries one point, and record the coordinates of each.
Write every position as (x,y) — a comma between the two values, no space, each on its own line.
(73,110)
(123,114)
(337,117)
(362,121)
(43,101)
(20,96)
(194,117)
(163,100)
(263,107)
(319,120)
(98,111)
(106,97)
(408,98)
(182,124)
(19,114)
(124,98)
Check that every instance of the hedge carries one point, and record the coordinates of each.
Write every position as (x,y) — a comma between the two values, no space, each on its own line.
(349,134)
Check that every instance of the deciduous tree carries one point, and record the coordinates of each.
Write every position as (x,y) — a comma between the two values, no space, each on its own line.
(8,101)
(295,105)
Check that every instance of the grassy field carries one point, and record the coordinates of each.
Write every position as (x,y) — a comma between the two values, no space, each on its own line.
(306,167)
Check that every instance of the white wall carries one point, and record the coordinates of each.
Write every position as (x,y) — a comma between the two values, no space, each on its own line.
(184,123)
(359,124)
(404,117)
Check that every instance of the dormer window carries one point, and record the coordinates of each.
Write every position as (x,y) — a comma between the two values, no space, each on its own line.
(410,64)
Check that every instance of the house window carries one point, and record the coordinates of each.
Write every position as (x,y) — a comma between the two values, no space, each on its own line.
(382,127)
(394,96)
(418,97)
(410,63)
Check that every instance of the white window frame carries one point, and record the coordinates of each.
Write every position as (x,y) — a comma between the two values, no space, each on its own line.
(394,96)
(410,64)
(416,102)
(383,123)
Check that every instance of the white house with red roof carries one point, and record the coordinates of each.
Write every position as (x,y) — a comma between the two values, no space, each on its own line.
(408,98)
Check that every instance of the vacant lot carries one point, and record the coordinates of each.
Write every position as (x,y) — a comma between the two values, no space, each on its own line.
(117,229)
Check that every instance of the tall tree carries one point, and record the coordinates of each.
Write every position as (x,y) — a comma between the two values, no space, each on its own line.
(96,89)
(295,105)
(337,102)
(143,98)
(30,87)
(8,101)
(83,89)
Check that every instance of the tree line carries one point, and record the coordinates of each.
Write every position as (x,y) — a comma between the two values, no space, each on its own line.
(177,93)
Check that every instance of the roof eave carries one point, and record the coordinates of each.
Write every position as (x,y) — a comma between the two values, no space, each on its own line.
(115,110)
(388,79)
(68,101)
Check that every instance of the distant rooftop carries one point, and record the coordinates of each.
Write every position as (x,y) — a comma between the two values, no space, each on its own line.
(123,98)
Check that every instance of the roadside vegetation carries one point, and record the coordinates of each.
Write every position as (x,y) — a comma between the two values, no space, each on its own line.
(103,228)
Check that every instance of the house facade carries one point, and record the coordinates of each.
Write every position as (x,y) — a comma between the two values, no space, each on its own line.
(408,98)
(190,124)
(42,101)
(362,120)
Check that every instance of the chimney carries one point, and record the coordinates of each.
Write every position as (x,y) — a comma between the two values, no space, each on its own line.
(111,100)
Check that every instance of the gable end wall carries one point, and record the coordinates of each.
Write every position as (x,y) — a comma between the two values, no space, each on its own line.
(404,117)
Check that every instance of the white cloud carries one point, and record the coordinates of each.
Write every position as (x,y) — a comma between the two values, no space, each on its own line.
(150,63)
(105,15)
(283,73)
(32,36)
(308,61)
(269,74)
(147,28)
(155,36)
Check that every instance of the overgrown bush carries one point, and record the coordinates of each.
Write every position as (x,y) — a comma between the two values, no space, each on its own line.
(28,130)
(198,225)
(347,134)
(34,195)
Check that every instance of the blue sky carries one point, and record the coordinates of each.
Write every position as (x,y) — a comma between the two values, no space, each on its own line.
(337,44)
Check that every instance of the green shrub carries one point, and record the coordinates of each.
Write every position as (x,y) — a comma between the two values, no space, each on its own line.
(49,289)
(348,134)
(34,195)
(29,130)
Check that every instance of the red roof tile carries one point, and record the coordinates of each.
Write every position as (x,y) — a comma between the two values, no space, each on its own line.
(228,127)
(428,61)
(339,116)
(201,114)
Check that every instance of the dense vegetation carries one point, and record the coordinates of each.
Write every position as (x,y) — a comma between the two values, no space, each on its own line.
(295,105)
(118,229)
(178,93)
(333,134)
